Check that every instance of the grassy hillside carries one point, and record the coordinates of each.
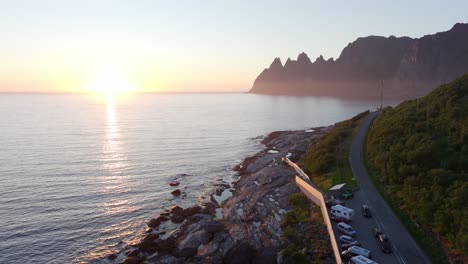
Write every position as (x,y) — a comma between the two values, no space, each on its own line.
(326,162)
(419,153)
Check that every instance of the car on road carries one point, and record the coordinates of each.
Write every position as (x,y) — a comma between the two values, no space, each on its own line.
(339,219)
(376,231)
(346,229)
(347,194)
(366,212)
(384,243)
(356,251)
(361,260)
(346,239)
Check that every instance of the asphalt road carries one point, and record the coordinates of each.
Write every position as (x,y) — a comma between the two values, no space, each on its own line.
(405,249)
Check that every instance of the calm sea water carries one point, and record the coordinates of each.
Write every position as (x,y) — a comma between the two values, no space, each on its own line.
(79,175)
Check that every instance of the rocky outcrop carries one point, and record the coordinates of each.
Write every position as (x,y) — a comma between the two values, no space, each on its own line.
(408,68)
(244,228)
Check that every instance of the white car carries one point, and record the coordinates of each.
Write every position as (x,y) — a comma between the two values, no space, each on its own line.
(347,239)
(346,229)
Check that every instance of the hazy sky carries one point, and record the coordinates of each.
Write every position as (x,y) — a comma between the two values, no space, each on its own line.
(173,45)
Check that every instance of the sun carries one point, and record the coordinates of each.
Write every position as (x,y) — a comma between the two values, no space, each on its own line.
(109,81)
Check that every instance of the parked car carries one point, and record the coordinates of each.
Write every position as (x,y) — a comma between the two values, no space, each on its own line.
(361,260)
(346,229)
(341,211)
(348,245)
(366,212)
(384,243)
(339,219)
(346,239)
(347,194)
(333,202)
(356,251)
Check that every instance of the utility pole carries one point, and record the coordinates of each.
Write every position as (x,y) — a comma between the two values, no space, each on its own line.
(381,95)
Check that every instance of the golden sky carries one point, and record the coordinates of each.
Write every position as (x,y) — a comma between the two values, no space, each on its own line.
(187,46)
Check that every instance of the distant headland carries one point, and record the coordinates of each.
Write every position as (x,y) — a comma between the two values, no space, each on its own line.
(405,67)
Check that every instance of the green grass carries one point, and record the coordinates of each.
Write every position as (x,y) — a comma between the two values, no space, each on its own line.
(327,164)
(425,240)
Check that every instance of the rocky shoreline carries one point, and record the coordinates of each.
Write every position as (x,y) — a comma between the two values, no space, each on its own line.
(239,223)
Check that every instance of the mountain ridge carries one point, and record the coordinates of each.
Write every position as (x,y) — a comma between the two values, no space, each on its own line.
(409,67)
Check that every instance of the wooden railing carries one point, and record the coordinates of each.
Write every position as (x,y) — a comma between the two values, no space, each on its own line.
(317,197)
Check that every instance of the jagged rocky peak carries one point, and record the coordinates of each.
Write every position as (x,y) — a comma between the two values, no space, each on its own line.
(303,58)
(320,59)
(276,64)
(410,67)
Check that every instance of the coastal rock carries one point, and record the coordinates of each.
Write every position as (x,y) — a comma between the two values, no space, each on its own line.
(265,256)
(239,254)
(166,244)
(166,259)
(131,260)
(192,210)
(178,218)
(209,208)
(133,253)
(213,226)
(174,183)
(176,192)
(155,222)
(163,218)
(177,210)
(264,180)
(189,246)
(112,256)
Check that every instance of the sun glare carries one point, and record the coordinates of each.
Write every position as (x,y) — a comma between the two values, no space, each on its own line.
(109,81)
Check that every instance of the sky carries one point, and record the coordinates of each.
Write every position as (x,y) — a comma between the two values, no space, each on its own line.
(188,46)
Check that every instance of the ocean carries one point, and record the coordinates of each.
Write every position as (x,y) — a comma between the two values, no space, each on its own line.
(80,175)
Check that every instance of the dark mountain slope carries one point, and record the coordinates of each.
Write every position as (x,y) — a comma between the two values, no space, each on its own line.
(409,67)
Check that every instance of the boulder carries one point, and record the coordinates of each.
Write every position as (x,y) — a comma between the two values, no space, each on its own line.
(133,253)
(148,245)
(177,210)
(174,183)
(166,259)
(163,218)
(213,226)
(239,254)
(155,222)
(177,218)
(131,260)
(176,192)
(209,208)
(192,210)
(112,256)
(166,244)
(189,246)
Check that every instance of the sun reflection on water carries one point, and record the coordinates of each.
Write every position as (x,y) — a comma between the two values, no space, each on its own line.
(115,182)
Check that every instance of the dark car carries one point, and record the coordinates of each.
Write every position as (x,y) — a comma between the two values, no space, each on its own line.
(347,194)
(339,219)
(348,245)
(333,202)
(366,212)
(384,243)
(348,254)
(376,231)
